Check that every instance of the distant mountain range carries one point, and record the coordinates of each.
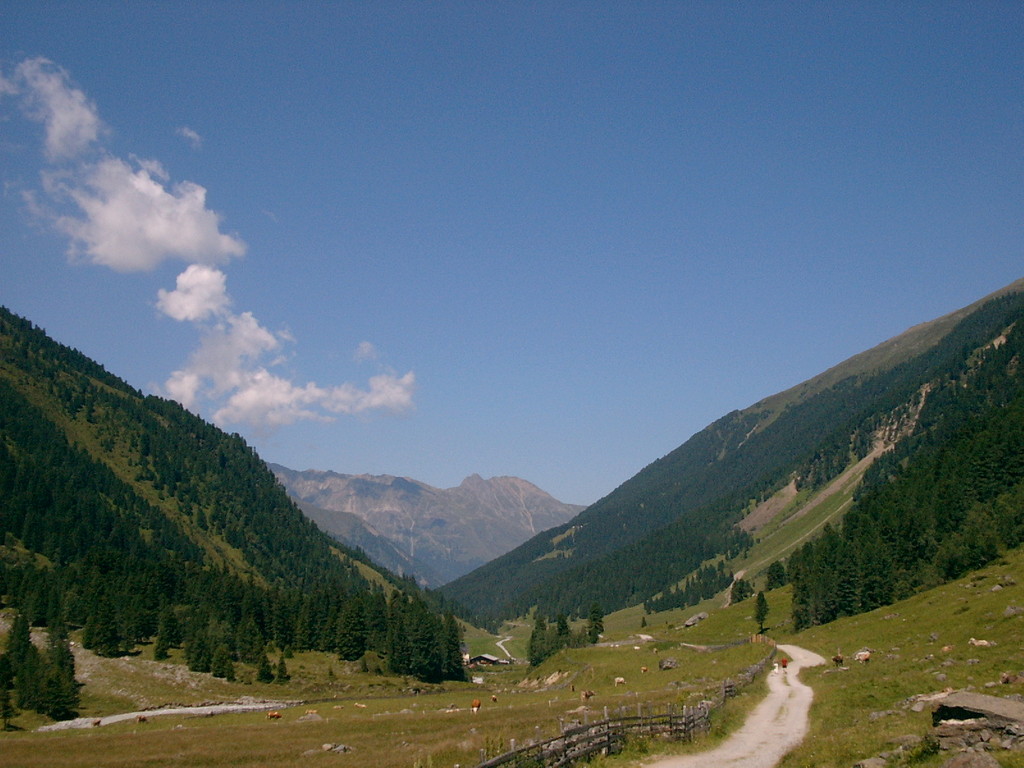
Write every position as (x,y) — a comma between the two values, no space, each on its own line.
(410,527)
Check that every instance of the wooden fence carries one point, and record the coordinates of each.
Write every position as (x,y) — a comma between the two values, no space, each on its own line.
(580,740)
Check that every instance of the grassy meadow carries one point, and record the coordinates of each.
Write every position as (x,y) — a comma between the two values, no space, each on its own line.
(380,717)
(920,646)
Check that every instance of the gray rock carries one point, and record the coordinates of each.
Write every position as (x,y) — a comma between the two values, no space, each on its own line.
(962,705)
(971,760)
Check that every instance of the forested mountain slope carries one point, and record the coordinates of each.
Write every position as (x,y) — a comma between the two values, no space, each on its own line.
(131,518)
(681,510)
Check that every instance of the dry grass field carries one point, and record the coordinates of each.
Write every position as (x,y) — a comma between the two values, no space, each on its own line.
(380,718)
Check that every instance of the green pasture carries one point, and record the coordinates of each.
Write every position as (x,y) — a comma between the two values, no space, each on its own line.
(920,646)
(379,717)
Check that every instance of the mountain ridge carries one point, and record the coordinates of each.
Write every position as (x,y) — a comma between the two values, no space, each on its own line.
(436,534)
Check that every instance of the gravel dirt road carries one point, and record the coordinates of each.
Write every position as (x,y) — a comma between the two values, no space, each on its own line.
(776,726)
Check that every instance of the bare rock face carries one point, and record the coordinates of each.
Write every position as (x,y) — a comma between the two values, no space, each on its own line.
(438,534)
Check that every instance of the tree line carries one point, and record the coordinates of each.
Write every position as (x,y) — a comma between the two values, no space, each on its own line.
(550,636)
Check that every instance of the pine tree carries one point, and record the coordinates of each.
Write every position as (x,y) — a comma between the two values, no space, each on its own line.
(595,623)
(741,590)
(26,664)
(19,643)
(101,633)
(264,674)
(161,647)
(221,664)
(425,643)
(351,639)
(281,672)
(7,710)
(168,633)
(6,671)
(537,648)
(760,611)
(248,641)
(776,576)
(60,696)
(451,665)
(562,630)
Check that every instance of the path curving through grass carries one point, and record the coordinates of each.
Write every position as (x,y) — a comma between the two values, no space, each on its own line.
(776,726)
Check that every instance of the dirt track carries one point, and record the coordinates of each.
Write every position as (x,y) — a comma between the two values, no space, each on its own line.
(199,711)
(776,726)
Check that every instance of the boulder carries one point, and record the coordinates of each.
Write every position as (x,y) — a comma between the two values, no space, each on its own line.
(971,760)
(964,705)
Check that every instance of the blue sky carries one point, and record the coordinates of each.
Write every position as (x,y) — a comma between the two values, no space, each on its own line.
(550,240)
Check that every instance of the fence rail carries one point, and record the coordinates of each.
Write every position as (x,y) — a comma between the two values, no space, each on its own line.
(578,741)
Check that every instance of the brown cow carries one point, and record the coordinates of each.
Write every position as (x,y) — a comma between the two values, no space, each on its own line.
(475,706)
(586,695)
(273,715)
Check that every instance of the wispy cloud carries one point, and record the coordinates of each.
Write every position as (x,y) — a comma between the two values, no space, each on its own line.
(127,215)
(365,352)
(190,136)
(71,121)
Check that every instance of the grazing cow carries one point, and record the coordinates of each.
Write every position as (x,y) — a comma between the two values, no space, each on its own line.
(311,712)
(947,648)
(141,719)
(361,706)
(494,699)
(273,715)
(979,643)
(838,659)
(643,670)
(475,706)
(862,656)
(97,723)
(620,681)
(586,695)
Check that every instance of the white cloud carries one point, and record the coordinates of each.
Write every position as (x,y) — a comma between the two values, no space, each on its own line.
(190,136)
(266,400)
(386,392)
(72,123)
(229,372)
(200,293)
(126,215)
(365,352)
(133,222)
